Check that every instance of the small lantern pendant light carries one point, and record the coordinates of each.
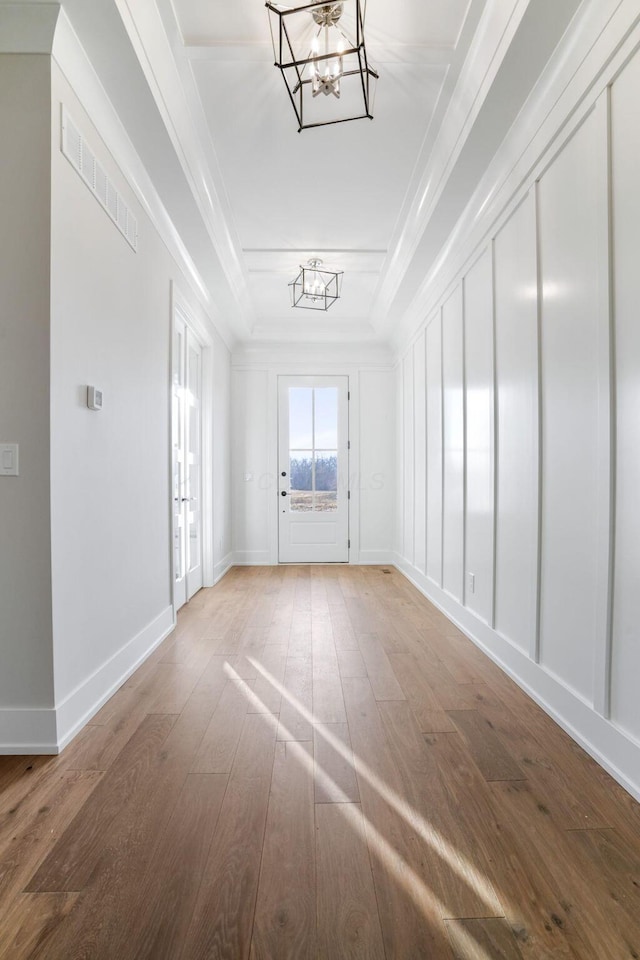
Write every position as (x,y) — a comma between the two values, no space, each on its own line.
(315,288)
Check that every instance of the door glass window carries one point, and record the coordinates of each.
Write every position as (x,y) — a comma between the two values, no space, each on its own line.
(313,442)
(300,418)
(326,418)
(301,480)
(326,480)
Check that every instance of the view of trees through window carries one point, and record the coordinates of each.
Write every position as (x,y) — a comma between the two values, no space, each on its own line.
(326,473)
(305,496)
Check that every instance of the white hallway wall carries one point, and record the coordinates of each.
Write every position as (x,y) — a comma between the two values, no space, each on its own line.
(110,471)
(86,588)
(371,464)
(520,459)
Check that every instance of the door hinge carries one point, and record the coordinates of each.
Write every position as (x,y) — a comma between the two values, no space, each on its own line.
(348,444)
(348,494)
(348,544)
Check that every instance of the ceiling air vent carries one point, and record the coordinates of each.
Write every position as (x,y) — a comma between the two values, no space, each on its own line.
(82,159)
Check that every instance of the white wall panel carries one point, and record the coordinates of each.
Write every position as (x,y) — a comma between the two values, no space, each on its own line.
(453,445)
(434,449)
(568,225)
(408,456)
(420,438)
(625,666)
(478,347)
(377,462)
(376,439)
(516,344)
(398,542)
(222,542)
(253,489)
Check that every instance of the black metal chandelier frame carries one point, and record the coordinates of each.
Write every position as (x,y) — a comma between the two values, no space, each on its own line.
(286,61)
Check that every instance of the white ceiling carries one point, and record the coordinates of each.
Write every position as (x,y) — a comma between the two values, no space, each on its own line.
(196,89)
(427,22)
(334,192)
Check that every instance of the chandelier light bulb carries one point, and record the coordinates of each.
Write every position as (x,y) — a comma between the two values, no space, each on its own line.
(314,288)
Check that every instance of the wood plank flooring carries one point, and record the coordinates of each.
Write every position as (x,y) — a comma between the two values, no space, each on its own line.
(316,764)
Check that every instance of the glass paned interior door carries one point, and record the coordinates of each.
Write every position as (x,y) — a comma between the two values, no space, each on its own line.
(314,476)
(187,463)
(178,462)
(194,400)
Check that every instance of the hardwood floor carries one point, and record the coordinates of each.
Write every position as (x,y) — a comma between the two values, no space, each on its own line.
(317,764)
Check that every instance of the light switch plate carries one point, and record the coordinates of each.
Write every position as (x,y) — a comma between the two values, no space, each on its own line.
(8,459)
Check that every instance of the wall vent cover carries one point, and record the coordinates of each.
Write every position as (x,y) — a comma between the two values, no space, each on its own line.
(83,160)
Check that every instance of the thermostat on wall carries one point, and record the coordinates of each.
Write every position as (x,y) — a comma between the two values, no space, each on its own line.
(94,398)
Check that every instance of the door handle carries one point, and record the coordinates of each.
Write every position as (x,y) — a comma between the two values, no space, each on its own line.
(283,493)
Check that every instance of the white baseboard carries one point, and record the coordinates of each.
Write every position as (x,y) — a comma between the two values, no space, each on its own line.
(221,567)
(374,557)
(78,707)
(616,752)
(48,730)
(262,558)
(251,558)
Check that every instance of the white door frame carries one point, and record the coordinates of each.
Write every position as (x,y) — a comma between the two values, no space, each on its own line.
(182,310)
(304,552)
(276,370)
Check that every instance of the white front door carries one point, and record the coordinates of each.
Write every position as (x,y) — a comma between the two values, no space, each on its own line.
(313,469)
(187,462)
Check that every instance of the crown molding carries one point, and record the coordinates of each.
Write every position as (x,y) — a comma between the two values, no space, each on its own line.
(473,71)
(283,353)
(155,37)
(286,261)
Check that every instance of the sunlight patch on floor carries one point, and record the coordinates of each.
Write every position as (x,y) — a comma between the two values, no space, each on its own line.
(407,879)
(454,860)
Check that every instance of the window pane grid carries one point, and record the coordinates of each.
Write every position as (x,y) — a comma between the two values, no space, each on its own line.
(317,466)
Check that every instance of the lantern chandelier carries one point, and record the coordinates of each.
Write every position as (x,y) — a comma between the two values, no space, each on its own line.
(324,63)
(315,288)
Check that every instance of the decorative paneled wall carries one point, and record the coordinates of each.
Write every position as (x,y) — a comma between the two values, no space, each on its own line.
(453,445)
(434,450)
(375,511)
(625,194)
(521,429)
(516,398)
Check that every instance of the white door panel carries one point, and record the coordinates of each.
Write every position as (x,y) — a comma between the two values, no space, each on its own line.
(313,494)
(193,498)
(187,462)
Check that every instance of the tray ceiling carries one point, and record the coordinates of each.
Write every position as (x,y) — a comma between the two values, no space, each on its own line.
(252,199)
